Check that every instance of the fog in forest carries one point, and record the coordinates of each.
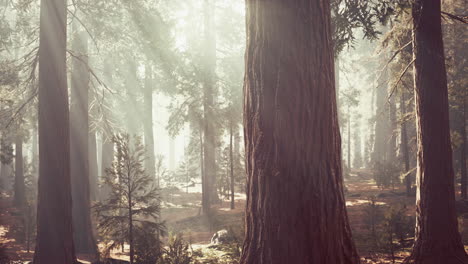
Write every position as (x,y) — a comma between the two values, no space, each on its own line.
(222,131)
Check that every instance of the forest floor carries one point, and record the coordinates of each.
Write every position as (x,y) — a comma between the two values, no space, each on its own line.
(181,212)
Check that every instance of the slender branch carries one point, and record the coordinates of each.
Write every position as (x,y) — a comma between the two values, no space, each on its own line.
(399,80)
(459,18)
(85,27)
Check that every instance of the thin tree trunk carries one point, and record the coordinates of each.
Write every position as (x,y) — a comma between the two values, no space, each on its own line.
(231,161)
(463,153)
(404,143)
(93,166)
(437,239)
(79,145)
(295,211)
(54,241)
(205,200)
(20,195)
(392,127)
(349,139)
(35,155)
(148,122)
(130,219)
(6,169)
(172,154)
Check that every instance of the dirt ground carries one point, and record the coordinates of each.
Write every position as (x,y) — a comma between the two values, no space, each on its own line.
(181,213)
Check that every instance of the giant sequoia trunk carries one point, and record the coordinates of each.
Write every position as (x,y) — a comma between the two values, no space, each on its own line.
(209,193)
(79,141)
(54,240)
(437,237)
(295,211)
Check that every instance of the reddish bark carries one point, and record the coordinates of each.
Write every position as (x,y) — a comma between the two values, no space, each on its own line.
(295,210)
(54,241)
(437,237)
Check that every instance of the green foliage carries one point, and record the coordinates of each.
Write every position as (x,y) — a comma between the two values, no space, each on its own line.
(397,227)
(374,216)
(148,246)
(178,251)
(134,200)
(350,15)
(390,227)
(386,174)
(6,152)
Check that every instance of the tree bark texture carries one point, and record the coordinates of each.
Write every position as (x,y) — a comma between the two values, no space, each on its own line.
(54,240)
(79,146)
(295,211)
(437,238)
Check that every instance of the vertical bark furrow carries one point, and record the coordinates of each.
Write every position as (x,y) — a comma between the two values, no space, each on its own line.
(437,238)
(295,204)
(54,240)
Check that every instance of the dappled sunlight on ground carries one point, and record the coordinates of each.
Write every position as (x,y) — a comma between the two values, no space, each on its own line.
(182,213)
(361,202)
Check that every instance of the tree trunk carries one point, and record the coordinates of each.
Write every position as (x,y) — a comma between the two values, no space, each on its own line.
(381,132)
(93,166)
(35,155)
(130,220)
(6,169)
(205,201)
(172,153)
(404,143)
(437,239)
(131,85)
(349,139)
(392,127)
(107,146)
(54,240)
(208,105)
(231,161)
(79,140)
(357,147)
(148,122)
(20,195)
(295,211)
(463,152)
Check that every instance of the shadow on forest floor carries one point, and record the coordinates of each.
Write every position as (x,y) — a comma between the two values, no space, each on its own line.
(181,211)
